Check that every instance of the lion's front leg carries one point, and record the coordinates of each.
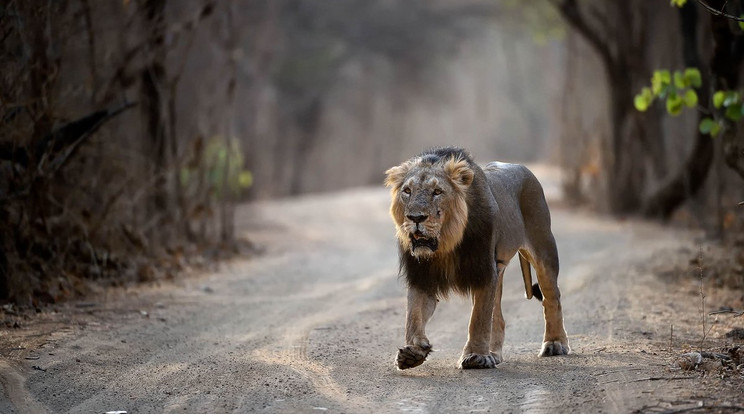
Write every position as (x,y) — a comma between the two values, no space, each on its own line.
(476,353)
(421,306)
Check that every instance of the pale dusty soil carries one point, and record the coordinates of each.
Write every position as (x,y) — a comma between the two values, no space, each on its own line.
(313,325)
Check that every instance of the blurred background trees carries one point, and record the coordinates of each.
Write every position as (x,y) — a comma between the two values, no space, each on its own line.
(653,164)
(130,128)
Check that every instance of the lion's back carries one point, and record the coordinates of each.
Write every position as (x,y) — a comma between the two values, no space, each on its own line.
(507,181)
(520,197)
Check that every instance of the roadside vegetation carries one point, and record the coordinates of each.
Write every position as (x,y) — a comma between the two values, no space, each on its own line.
(129,130)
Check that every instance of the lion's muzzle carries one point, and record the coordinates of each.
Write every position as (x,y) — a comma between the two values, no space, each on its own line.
(417,218)
(418,239)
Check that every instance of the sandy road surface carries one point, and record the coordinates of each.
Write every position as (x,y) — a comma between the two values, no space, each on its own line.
(313,324)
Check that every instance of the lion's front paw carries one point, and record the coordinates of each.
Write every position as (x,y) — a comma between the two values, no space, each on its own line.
(411,356)
(476,361)
(553,348)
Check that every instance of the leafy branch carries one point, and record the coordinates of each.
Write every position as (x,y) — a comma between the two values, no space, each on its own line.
(678,89)
(728,104)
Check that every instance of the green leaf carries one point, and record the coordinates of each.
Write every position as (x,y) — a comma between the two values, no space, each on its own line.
(690,98)
(643,100)
(640,103)
(741,24)
(666,76)
(674,104)
(678,3)
(659,81)
(706,125)
(718,98)
(732,98)
(655,84)
(646,92)
(679,80)
(245,179)
(714,130)
(693,78)
(733,112)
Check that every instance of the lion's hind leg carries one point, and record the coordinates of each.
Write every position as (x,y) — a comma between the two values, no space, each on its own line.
(498,324)
(543,255)
(555,340)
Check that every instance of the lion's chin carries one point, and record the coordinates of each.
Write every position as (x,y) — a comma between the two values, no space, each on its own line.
(422,253)
(422,246)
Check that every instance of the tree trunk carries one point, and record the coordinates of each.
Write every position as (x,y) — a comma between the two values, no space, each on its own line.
(4,286)
(151,86)
(618,45)
(694,172)
(308,121)
(725,67)
(626,175)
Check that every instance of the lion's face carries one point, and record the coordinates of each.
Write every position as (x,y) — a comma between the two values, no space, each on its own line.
(429,205)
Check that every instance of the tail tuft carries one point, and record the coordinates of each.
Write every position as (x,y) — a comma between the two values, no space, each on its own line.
(536,293)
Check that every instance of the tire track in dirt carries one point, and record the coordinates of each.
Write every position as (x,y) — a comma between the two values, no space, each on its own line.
(291,349)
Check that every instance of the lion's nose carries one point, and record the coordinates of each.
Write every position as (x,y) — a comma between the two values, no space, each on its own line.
(417,219)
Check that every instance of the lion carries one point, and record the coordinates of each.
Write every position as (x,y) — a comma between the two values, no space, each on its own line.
(458,225)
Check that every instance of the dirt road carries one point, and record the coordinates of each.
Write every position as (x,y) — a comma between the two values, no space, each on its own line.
(313,325)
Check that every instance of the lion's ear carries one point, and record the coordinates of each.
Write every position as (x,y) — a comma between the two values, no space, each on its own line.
(394,177)
(458,170)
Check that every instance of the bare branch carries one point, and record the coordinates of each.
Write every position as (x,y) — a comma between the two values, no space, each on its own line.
(719,12)
(572,14)
(600,17)
(662,379)
(735,312)
(702,296)
(123,76)
(87,17)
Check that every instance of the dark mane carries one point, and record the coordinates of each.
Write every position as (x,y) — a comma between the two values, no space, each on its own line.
(437,154)
(471,265)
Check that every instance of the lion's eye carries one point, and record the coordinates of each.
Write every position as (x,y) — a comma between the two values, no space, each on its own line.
(437,191)
(407,190)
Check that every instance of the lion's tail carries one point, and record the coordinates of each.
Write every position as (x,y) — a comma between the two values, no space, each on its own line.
(531,290)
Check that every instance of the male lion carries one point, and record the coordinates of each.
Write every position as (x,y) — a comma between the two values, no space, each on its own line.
(458,226)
